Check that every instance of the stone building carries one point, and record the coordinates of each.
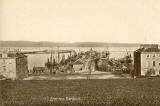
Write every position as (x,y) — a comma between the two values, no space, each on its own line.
(13,65)
(147,60)
(78,65)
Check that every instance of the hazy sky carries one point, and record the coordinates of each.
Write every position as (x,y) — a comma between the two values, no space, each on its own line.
(80,20)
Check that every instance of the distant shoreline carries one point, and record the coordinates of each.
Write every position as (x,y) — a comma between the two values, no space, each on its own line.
(56,44)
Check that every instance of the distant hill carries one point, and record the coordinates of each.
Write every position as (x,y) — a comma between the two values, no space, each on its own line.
(56,44)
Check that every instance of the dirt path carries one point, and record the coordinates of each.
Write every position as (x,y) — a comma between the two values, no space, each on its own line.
(94,75)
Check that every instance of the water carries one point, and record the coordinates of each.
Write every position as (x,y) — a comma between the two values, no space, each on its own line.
(40,59)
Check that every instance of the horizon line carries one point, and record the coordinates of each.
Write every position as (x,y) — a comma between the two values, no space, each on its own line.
(75,42)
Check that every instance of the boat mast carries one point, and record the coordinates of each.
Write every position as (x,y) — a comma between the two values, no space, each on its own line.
(51,61)
(58,54)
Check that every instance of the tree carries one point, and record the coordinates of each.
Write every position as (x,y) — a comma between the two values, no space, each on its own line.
(62,62)
(102,65)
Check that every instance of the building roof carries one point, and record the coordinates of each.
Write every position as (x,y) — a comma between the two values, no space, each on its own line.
(13,55)
(139,50)
(148,48)
(79,61)
(16,55)
(38,68)
(151,50)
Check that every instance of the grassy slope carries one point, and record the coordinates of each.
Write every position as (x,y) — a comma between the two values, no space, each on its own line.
(112,92)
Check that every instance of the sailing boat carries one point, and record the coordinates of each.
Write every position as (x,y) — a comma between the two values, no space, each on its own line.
(50,64)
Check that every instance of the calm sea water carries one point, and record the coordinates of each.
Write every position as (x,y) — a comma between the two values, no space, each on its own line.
(40,59)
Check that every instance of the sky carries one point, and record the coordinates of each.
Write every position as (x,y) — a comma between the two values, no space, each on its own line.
(118,21)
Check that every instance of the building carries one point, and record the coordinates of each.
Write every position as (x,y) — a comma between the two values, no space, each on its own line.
(78,65)
(38,70)
(147,60)
(13,65)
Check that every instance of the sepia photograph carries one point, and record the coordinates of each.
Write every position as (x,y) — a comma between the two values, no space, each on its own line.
(79,53)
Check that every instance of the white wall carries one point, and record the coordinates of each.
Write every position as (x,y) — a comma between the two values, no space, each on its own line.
(147,62)
(10,67)
(77,67)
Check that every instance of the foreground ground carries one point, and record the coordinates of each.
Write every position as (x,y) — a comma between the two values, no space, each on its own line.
(115,92)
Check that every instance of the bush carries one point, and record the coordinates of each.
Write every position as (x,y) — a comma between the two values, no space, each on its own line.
(150,72)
